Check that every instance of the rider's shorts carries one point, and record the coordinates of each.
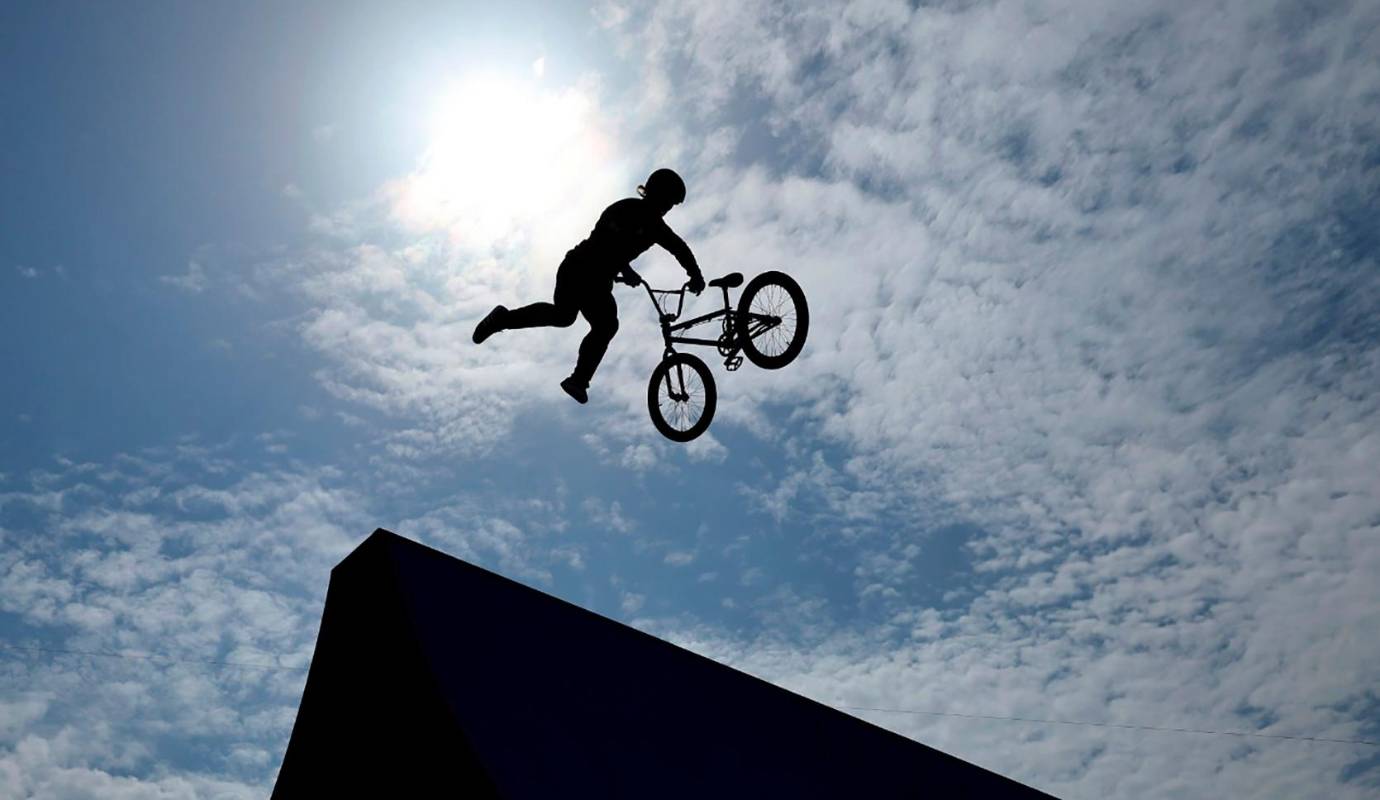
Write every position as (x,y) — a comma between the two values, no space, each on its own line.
(577,281)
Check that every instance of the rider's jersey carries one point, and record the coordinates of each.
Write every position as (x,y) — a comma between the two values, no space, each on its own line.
(625,231)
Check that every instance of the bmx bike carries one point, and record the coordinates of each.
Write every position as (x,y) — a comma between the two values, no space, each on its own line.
(768,326)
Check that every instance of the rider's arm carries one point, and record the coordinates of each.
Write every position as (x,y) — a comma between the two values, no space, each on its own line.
(677,247)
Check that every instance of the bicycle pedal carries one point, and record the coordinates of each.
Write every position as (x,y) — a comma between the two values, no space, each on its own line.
(733,363)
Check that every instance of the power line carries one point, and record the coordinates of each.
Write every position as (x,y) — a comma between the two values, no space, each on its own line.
(155,658)
(152,657)
(1125,726)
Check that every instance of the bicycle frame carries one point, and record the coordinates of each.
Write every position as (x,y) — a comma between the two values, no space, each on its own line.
(727,343)
(675,378)
(669,331)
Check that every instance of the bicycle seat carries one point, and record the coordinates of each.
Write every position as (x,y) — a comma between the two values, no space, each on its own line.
(729,281)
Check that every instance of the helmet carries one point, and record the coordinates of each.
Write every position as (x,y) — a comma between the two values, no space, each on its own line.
(664,184)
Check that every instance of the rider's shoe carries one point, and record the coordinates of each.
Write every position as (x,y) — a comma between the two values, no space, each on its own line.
(489,325)
(573,388)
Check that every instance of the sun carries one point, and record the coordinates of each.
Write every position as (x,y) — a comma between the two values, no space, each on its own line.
(502,153)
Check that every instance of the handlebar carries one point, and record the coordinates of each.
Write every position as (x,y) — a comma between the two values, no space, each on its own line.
(652,293)
(680,299)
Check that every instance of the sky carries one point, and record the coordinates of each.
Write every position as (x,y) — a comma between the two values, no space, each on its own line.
(1085,428)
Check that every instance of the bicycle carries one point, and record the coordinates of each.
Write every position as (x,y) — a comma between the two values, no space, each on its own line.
(768,326)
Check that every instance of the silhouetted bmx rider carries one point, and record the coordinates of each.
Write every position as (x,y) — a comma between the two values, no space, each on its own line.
(584,282)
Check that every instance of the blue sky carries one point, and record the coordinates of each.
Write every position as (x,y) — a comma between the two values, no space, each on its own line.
(1085,429)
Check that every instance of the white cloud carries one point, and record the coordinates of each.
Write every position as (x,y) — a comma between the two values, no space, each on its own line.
(679,558)
(47,767)
(173,563)
(514,534)
(609,14)
(194,280)
(632,602)
(22,710)
(187,566)
(609,517)
(706,447)
(639,457)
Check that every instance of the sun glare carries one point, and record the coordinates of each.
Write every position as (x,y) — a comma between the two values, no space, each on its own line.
(503,153)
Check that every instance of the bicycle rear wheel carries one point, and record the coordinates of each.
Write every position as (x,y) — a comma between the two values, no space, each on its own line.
(772,320)
(681,397)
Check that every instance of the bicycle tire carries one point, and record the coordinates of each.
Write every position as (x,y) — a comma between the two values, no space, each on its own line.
(779,296)
(679,427)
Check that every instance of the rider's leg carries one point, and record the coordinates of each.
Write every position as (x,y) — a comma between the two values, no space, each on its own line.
(601,312)
(558,314)
(539,315)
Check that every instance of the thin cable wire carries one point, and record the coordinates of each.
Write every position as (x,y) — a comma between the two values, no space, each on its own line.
(154,658)
(151,657)
(1125,726)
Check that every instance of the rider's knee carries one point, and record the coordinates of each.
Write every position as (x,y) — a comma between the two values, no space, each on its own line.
(604,327)
(566,318)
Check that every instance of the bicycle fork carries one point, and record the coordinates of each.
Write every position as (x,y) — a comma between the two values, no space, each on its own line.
(683,395)
(728,342)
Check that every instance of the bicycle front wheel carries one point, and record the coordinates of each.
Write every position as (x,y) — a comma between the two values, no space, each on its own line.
(681,397)
(772,320)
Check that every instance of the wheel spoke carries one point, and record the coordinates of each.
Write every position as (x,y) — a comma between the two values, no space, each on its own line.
(681,415)
(772,300)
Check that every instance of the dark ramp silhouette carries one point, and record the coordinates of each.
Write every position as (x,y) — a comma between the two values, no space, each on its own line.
(435,678)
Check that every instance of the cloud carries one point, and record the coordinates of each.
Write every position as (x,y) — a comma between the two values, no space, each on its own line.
(194,280)
(510,534)
(679,558)
(706,448)
(183,569)
(632,602)
(609,517)
(639,457)
(44,767)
